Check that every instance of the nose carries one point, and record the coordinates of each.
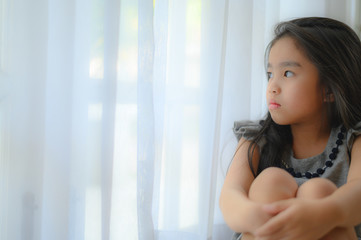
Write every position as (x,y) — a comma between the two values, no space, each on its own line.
(273,87)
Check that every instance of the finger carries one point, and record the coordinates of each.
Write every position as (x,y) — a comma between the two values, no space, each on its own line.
(274,225)
(272,209)
(276,208)
(268,230)
(281,234)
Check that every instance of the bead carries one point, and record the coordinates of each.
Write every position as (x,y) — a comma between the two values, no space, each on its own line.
(314,175)
(329,163)
(308,175)
(340,136)
(332,156)
(339,142)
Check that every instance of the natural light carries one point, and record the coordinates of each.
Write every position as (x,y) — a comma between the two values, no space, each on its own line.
(117,116)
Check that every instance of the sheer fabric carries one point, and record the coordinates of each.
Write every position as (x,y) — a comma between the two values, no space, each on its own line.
(116,115)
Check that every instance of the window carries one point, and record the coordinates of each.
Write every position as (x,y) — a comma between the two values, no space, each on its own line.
(3,24)
(4,152)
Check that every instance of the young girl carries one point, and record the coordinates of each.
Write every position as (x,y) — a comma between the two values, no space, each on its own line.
(297,174)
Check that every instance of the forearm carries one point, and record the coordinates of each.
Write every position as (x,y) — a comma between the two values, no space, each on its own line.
(240,213)
(346,201)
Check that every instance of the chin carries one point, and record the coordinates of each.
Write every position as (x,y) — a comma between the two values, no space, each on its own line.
(280,121)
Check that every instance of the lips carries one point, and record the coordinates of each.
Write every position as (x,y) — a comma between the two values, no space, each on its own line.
(273,105)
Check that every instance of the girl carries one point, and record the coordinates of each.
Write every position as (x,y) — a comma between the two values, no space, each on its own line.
(297,174)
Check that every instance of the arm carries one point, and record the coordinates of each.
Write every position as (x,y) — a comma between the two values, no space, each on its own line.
(317,217)
(348,197)
(240,213)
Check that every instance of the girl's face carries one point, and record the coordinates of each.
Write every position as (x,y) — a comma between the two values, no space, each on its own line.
(294,92)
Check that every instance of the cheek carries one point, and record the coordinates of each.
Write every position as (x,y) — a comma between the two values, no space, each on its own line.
(297,96)
(305,98)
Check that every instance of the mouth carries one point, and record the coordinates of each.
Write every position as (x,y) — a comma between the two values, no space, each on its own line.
(273,105)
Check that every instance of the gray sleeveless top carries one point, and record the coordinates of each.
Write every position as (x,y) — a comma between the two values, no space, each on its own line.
(339,170)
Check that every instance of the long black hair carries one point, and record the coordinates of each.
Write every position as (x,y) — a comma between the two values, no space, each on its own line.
(335,49)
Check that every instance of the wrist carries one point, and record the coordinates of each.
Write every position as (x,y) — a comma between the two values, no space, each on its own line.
(255,216)
(236,209)
(336,212)
(248,217)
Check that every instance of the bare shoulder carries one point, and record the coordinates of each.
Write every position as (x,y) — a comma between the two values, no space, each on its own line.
(355,167)
(239,175)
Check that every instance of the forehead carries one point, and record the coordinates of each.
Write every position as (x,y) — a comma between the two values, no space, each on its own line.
(286,49)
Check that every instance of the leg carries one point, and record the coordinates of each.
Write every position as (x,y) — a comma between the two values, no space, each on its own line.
(273,184)
(317,188)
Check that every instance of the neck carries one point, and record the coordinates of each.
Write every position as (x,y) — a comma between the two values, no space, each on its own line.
(309,140)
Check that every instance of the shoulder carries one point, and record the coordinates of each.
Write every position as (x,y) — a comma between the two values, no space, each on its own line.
(239,174)
(352,135)
(246,129)
(355,165)
(354,146)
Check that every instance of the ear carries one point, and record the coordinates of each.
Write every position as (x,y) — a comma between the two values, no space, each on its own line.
(328,95)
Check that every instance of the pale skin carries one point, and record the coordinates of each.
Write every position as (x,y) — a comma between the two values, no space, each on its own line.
(272,206)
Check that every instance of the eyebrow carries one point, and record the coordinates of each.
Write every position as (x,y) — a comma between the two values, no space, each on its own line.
(286,64)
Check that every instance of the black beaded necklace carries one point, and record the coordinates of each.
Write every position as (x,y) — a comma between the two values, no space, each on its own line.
(328,163)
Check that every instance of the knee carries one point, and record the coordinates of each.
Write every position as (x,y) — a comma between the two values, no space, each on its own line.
(316,188)
(272,184)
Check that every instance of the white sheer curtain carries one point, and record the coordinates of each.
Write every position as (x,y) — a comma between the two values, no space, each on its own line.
(116,115)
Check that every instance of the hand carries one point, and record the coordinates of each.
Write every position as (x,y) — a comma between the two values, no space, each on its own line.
(256,217)
(296,219)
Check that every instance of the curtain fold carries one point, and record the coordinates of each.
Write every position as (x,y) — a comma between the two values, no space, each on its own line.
(210,227)
(58,104)
(160,28)
(116,116)
(145,122)
(111,49)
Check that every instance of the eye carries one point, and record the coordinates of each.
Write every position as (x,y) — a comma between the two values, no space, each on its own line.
(269,75)
(288,74)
